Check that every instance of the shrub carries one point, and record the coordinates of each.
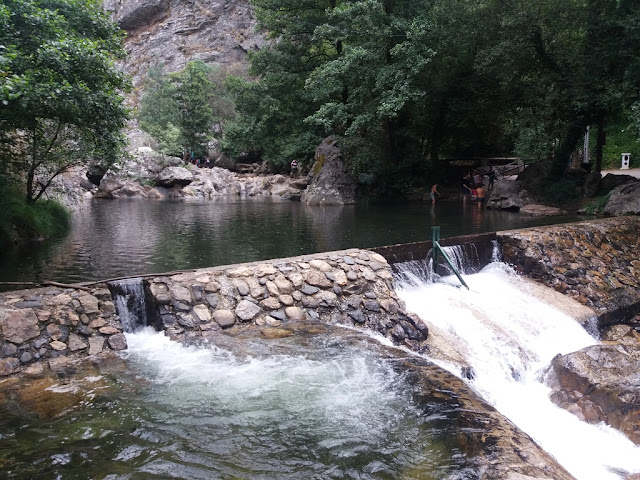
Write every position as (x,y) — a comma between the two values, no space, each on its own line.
(19,221)
(560,191)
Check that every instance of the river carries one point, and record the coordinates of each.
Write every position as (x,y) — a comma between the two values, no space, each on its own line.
(114,238)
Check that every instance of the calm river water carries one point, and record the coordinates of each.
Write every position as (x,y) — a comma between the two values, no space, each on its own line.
(114,238)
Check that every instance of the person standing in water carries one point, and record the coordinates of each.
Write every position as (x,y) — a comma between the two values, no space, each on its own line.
(480,195)
(432,194)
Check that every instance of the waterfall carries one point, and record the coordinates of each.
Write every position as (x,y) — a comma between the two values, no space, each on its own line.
(129,299)
(507,336)
(415,272)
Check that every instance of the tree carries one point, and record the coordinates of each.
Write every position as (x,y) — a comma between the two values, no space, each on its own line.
(271,111)
(407,82)
(568,65)
(183,110)
(194,90)
(61,92)
(158,112)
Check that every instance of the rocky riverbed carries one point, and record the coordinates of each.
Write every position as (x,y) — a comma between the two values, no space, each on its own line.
(596,263)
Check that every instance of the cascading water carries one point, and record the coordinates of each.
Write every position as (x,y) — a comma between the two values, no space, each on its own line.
(129,299)
(508,337)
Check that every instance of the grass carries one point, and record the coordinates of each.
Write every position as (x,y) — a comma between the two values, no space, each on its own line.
(597,206)
(20,221)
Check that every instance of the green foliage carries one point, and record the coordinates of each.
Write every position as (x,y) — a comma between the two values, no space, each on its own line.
(183,110)
(158,111)
(193,90)
(21,221)
(621,138)
(410,82)
(560,192)
(61,92)
(597,206)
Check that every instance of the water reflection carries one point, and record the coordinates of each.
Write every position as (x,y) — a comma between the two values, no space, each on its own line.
(134,237)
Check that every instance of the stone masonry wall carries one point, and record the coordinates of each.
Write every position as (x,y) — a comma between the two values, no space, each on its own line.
(47,324)
(596,262)
(352,287)
(41,327)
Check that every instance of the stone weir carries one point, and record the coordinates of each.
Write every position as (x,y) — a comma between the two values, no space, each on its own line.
(45,327)
(478,248)
(595,262)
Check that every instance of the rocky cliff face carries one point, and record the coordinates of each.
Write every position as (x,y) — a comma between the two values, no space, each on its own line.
(174,32)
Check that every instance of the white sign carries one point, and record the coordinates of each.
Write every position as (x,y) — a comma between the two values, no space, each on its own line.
(626,160)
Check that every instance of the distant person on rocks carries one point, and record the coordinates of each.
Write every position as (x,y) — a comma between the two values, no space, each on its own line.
(294,168)
(477,180)
(492,177)
(433,193)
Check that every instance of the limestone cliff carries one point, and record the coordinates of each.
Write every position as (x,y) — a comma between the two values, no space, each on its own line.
(174,32)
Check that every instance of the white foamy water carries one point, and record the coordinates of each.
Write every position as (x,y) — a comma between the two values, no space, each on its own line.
(341,397)
(509,337)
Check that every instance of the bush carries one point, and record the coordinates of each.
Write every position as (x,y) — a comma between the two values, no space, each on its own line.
(19,221)
(560,191)
(597,206)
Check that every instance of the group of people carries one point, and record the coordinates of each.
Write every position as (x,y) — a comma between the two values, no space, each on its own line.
(194,160)
(472,185)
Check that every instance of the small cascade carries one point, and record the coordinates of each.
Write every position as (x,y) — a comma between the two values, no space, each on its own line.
(500,338)
(129,298)
(465,258)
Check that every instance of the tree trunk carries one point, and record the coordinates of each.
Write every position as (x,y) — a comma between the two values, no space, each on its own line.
(567,146)
(31,167)
(600,142)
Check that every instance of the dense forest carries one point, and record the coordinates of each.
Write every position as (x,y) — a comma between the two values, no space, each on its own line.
(407,87)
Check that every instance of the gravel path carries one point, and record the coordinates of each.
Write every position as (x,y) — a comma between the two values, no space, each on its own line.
(634,172)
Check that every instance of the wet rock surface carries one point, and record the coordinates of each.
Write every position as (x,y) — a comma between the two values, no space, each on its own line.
(594,262)
(597,264)
(601,383)
(505,451)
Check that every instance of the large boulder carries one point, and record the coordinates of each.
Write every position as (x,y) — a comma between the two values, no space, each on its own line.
(115,187)
(142,13)
(601,383)
(172,176)
(611,181)
(509,195)
(624,200)
(541,210)
(330,183)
